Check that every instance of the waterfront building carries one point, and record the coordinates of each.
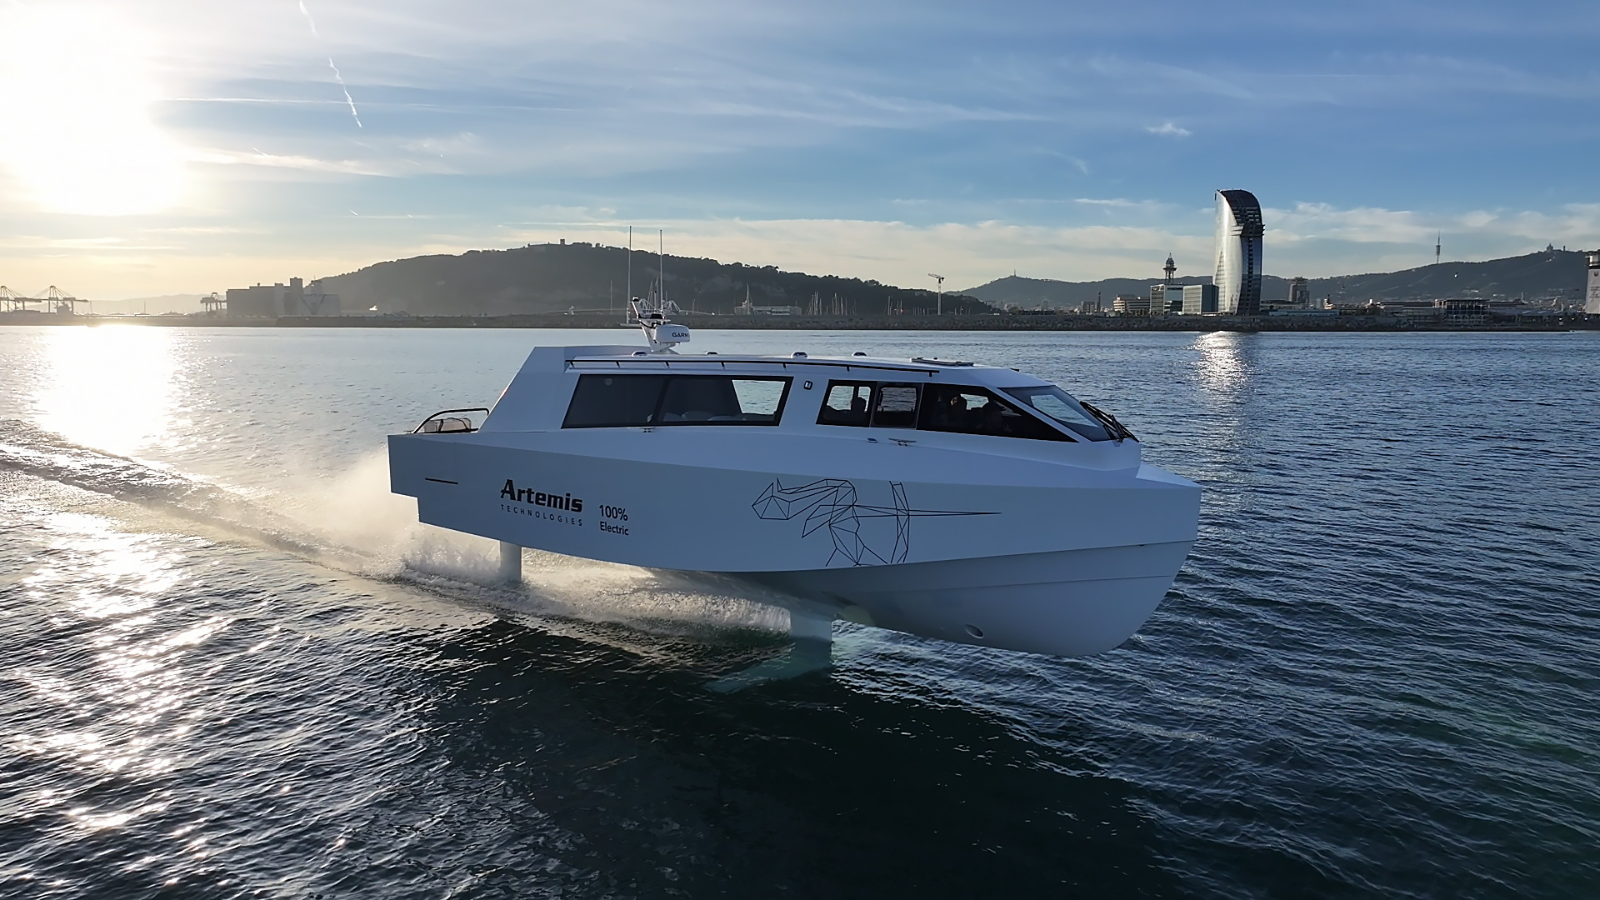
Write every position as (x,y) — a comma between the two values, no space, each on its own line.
(1239,233)
(1592,303)
(271,301)
(1300,293)
(1166,299)
(1131,305)
(1199,300)
(1463,310)
(749,309)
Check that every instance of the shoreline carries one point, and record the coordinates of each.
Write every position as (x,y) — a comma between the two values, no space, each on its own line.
(1008,322)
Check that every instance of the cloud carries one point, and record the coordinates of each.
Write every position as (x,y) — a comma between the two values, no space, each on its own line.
(281,161)
(1120,203)
(1575,224)
(718,116)
(897,252)
(41,244)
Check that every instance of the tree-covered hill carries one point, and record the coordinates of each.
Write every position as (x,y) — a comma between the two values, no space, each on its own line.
(1549,273)
(581,276)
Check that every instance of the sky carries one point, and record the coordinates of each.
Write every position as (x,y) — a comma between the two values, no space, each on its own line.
(186,147)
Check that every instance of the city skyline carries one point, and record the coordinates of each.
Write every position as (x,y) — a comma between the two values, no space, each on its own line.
(179,148)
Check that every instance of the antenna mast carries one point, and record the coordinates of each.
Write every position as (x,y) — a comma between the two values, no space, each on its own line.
(1438,246)
(652,314)
(940,280)
(630,263)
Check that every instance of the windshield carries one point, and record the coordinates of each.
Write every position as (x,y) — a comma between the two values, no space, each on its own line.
(1059,405)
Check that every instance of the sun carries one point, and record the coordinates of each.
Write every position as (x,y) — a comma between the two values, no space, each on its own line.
(75,94)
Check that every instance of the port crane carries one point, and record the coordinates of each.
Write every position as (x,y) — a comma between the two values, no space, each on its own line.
(55,300)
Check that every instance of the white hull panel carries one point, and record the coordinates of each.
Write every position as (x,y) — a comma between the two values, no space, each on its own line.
(1021,554)
(1068,603)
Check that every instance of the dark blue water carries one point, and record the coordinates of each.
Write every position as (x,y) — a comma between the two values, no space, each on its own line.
(230,667)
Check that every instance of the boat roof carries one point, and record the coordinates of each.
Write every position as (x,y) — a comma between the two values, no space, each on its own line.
(632,358)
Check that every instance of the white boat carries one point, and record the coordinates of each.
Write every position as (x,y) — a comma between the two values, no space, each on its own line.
(956,501)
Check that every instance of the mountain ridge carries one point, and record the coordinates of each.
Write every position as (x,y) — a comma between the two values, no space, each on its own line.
(558,277)
(1540,275)
(547,278)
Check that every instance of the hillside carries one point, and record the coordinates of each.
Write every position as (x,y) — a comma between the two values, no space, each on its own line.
(166,303)
(1033,293)
(1547,273)
(543,278)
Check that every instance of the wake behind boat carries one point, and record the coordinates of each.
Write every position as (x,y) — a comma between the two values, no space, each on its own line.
(945,499)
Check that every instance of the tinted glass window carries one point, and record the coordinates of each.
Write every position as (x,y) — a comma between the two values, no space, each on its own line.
(699,400)
(723,400)
(975,410)
(761,396)
(846,403)
(1061,406)
(895,406)
(614,400)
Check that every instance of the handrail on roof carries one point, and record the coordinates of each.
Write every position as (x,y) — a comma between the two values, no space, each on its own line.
(723,361)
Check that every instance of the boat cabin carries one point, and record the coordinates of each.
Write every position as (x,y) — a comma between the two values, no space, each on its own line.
(617,387)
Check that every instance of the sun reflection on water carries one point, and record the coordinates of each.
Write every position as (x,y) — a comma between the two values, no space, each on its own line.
(131,716)
(1221,367)
(112,388)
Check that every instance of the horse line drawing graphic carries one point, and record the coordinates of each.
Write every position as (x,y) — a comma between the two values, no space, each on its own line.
(832,503)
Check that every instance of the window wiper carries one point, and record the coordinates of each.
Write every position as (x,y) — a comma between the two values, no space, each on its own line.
(1117,429)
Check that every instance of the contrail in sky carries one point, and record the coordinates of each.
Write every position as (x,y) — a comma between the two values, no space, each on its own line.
(309,21)
(336,76)
(347,98)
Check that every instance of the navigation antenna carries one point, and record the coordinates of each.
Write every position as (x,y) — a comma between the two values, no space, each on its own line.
(1438,246)
(651,313)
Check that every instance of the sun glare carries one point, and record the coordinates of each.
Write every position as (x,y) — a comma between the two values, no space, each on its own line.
(113,388)
(75,95)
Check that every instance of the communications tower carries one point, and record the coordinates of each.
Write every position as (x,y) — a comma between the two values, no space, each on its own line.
(1592,298)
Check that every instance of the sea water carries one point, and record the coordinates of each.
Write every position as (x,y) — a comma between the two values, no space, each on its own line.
(231,664)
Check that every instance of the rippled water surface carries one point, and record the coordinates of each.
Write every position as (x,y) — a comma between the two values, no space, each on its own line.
(230,665)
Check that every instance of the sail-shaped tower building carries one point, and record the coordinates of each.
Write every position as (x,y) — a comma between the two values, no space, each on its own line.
(1239,232)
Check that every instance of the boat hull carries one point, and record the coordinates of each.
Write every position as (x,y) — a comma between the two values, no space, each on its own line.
(1026,555)
(1066,603)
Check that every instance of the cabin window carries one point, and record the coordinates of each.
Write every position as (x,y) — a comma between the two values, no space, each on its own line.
(895,406)
(847,403)
(864,403)
(761,397)
(615,401)
(723,400)
(1061,406)
(975,410)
